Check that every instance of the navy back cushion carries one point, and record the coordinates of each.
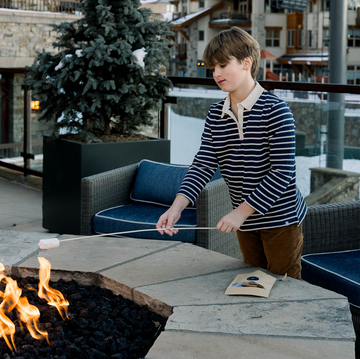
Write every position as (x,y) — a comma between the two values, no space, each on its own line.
(159,183)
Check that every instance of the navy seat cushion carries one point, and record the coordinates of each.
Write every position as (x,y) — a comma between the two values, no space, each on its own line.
(158,183)
(142,216)
(336,271)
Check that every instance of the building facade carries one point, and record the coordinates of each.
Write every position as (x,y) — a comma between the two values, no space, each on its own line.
(295,32)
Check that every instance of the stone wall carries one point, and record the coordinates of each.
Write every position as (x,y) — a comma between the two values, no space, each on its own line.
(308,117)
(23,33)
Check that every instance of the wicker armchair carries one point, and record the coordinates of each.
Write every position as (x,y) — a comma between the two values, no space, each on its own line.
(335,228)
(332,227)
(112,188)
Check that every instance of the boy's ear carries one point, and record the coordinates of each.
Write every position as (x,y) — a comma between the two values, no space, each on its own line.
(247,63)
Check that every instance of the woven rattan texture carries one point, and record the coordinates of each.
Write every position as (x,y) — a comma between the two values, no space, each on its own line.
(332,227)
(105,190)
(212,204)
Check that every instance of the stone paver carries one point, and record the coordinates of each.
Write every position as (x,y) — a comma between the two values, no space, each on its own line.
(181,261)
(210,288)
(326,319)
(98,254)
(181,345)
(19,204)
(16,246)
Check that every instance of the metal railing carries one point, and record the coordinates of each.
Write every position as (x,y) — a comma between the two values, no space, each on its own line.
(63,6)
(320,88)
(272,85)
(26,144)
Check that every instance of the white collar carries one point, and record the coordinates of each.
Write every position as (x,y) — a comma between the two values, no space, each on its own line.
(248,103)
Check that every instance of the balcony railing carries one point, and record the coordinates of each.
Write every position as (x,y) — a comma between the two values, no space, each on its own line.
(308,101)
(313,107)
(64,6)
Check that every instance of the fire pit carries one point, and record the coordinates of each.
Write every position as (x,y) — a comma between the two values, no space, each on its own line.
(83,319)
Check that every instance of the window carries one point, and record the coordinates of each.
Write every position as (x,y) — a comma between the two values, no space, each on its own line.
(326,5)
(273,38)
(271,6)
(350,74)
(201,4)
(353,75)
(353,4)
(243,6)
(201,35)
(290,40)
(326,37)
(309,38)
(353,37)
(299,42)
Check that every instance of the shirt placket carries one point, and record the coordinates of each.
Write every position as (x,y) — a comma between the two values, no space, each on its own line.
(240,120)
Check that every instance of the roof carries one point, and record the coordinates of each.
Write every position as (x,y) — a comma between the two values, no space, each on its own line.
(190,18)
(266,55)
(320,59)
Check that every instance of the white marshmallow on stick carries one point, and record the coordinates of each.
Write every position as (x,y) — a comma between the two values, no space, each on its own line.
(49,243)
(54,242)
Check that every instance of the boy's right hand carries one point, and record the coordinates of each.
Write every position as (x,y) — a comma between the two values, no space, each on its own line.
(167,221)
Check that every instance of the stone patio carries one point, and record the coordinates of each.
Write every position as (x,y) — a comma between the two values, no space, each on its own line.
(297,320)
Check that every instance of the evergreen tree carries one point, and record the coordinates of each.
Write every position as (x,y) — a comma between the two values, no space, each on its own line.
(96,82)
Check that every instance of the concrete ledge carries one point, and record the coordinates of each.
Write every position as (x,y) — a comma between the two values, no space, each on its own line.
(189,282)
(331,185)
(182,345)
(15,176)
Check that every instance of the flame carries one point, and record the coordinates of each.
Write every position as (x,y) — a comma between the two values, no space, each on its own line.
(10,298)
(53,296)
(29,314)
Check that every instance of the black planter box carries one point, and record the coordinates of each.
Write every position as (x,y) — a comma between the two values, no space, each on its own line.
(67,162)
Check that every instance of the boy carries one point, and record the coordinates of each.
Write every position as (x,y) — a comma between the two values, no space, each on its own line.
(251,136)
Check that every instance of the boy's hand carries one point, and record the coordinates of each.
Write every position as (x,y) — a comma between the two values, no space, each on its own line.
(167,221)
(172,215)
(235,219)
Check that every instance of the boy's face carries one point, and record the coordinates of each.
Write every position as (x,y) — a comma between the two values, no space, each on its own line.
(232,75)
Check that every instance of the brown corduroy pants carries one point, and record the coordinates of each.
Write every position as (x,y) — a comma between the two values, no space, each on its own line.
(277,249)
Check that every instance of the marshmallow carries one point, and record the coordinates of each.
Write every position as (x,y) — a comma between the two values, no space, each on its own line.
(49,243)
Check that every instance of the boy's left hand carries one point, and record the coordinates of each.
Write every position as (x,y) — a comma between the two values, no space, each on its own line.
(231,222)
(235,219)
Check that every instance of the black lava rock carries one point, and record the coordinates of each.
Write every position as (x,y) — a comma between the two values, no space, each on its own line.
(99,325)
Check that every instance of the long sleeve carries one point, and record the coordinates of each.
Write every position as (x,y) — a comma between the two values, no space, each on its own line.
(281,130)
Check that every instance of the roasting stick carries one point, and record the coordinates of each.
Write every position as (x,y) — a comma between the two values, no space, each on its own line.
(55,242)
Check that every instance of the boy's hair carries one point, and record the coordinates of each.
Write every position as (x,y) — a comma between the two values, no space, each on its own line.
(227,44)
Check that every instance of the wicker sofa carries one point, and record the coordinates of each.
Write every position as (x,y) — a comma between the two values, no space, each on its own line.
(331,254)
(114,188)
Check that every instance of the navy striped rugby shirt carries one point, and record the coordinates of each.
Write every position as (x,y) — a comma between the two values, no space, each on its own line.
(256,156)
